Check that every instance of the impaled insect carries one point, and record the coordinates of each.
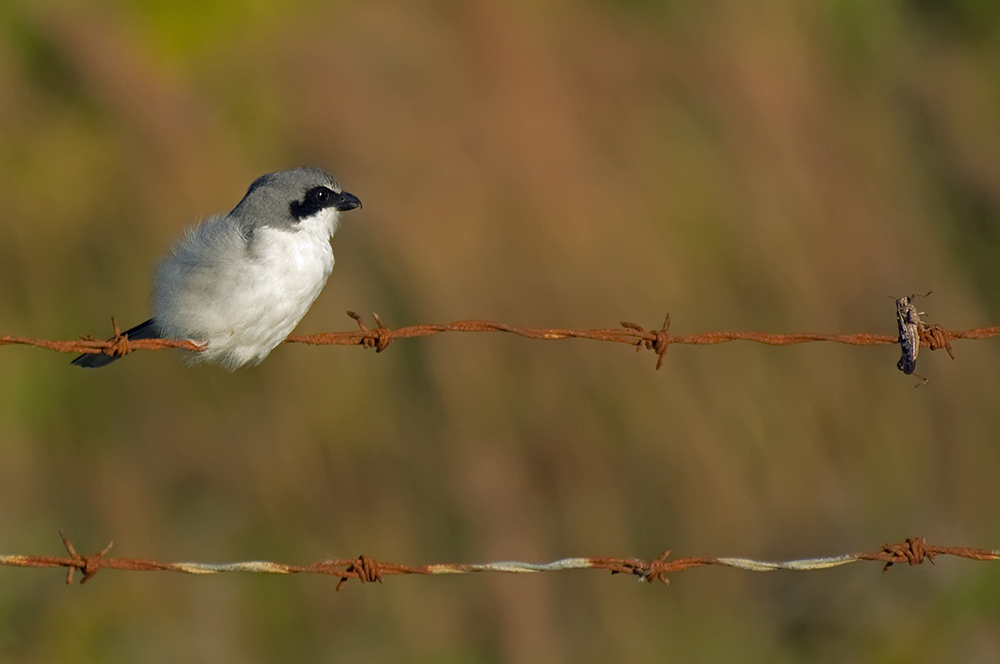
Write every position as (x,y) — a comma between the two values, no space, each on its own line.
(910,326)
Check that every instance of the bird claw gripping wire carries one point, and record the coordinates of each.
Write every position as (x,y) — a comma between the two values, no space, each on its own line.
(379,338)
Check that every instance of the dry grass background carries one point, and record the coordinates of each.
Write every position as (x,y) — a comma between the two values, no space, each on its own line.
(772,165)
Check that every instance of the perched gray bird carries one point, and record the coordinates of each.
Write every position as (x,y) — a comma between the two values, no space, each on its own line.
(238,284)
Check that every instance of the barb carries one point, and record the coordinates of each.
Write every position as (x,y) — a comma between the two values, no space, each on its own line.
(913,551)
(117,346)
(933,337)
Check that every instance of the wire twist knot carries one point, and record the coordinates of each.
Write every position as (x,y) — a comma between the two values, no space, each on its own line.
(118,345)
(913,551)
(657,341)
(89,565)
(936,337)
(379,338)
(657,569)
(365,569)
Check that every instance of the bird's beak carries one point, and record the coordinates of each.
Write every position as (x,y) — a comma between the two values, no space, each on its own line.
(345,202)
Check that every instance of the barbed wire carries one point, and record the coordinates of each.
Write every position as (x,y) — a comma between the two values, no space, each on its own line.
(933,337)
(914,551)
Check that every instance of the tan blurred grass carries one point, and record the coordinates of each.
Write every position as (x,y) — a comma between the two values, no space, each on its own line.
(777,166)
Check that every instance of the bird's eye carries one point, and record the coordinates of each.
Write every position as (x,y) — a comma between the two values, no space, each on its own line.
(316,199)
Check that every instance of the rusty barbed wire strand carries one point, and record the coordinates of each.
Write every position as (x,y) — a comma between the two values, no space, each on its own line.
(933,337)
(914,551)
(118,346)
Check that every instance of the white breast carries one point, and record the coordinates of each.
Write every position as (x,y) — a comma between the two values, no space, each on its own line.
(244,303)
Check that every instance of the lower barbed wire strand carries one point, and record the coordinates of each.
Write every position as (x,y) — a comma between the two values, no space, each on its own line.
(913,551)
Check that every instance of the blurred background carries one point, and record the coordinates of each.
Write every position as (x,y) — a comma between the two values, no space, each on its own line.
(780,166)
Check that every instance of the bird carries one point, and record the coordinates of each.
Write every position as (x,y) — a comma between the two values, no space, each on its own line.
(238,284)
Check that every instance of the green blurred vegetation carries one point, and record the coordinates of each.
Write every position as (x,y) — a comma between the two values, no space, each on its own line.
(780,166)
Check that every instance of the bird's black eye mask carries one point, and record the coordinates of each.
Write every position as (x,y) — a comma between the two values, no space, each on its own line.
(315,200)
(322,197)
